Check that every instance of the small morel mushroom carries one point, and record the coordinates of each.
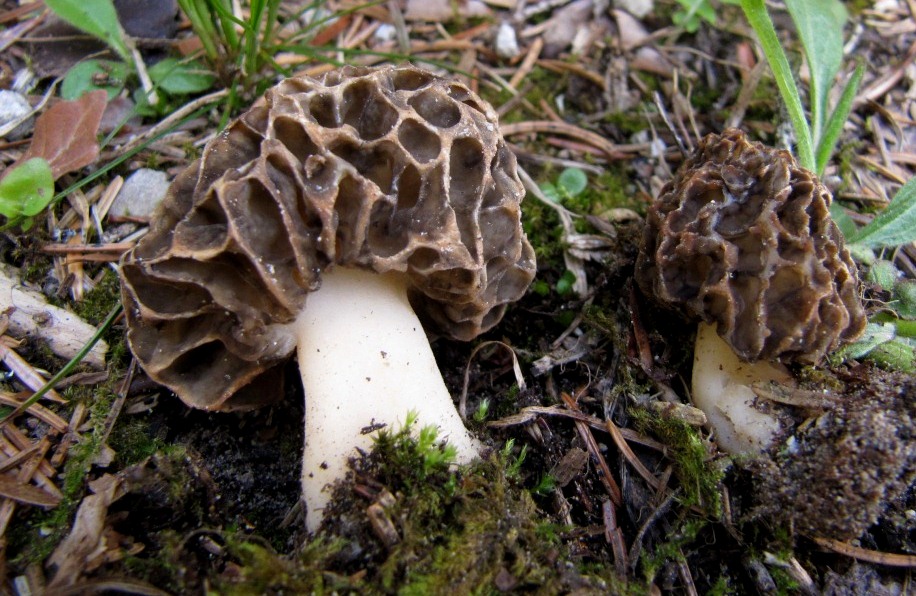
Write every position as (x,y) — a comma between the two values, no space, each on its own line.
(742,239)
(316,223)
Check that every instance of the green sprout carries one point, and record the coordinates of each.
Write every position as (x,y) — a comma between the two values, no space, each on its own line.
(819,24)
(482,410)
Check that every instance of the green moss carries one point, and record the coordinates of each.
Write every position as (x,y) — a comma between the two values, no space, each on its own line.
(611,189)
(673,548)
(98,302)
(259,570)
(133,441)
(631,121)
(699,479)
(462,532)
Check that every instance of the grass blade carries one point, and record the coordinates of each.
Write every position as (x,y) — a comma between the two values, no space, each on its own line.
(834,126)
(759,18)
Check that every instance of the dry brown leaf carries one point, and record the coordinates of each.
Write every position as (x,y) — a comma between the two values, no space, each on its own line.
(12,488)
(65,135)
(86,542)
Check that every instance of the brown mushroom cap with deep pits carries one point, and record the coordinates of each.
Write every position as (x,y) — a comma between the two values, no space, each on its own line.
(387,170)
(742,238)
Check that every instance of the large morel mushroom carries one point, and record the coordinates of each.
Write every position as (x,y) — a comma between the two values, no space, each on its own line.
(318,223)
(742,240)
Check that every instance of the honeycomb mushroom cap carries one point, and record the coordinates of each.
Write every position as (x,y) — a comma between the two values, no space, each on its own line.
(389,169)
(742,238)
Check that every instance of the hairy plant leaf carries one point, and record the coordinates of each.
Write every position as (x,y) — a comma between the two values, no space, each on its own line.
(842,220)
(875,334)
(181,78)
(895,225)
(820,28)
(92,75)
(97,18)
(65,134)
(26,189)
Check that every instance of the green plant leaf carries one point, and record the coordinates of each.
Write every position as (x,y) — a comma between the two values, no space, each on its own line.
(905,297)
(92,75)
(842,219)
(896,354)
(827,142)
(551,192)
(882,273)
(689,17)
(895,225)
(573,181)
(26,189)
(820,28)
(565,283)
(97,18)
(176,77)
(759,19)
(875,334)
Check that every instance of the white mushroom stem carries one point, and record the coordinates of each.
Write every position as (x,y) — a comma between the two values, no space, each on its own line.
(365,362)
(722,389)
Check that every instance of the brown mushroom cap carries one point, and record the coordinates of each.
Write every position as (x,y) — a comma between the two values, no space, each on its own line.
(742,238)
(390,170)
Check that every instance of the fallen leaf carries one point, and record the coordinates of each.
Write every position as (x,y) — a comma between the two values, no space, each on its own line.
(12,488)
(86,539)
(65,135)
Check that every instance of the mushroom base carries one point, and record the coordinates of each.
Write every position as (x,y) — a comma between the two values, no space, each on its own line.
(722,389)
(365,363)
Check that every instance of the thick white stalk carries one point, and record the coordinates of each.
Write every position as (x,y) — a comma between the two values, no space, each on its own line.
(365,362)
(722,389)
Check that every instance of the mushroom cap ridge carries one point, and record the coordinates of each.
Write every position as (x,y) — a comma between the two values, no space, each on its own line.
(742,238)
(388,169)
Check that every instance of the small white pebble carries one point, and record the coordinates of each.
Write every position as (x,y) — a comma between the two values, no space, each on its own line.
(142,192)
(506,41)
(385,32)
(14,106)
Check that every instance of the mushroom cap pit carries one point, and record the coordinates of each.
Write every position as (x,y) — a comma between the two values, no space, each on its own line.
(389,169)
(742,238)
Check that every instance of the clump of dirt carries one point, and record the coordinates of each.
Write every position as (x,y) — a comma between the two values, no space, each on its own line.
(837,473)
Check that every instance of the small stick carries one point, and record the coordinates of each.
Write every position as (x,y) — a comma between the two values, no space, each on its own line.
(605,472)
(528,63)
(614,537)
(863,554)
(657,99)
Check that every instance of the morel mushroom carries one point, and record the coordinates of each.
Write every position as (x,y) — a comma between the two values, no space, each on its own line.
(742,239)
(317,222)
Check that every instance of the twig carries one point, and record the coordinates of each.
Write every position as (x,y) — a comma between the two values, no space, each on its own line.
(863,554)
(528,414)
(25,373)
(628,454)
(636,547)
(173,119)
(528,63)
(36,410)
(614,537)
(562,128)
(66,369)
(604,472)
